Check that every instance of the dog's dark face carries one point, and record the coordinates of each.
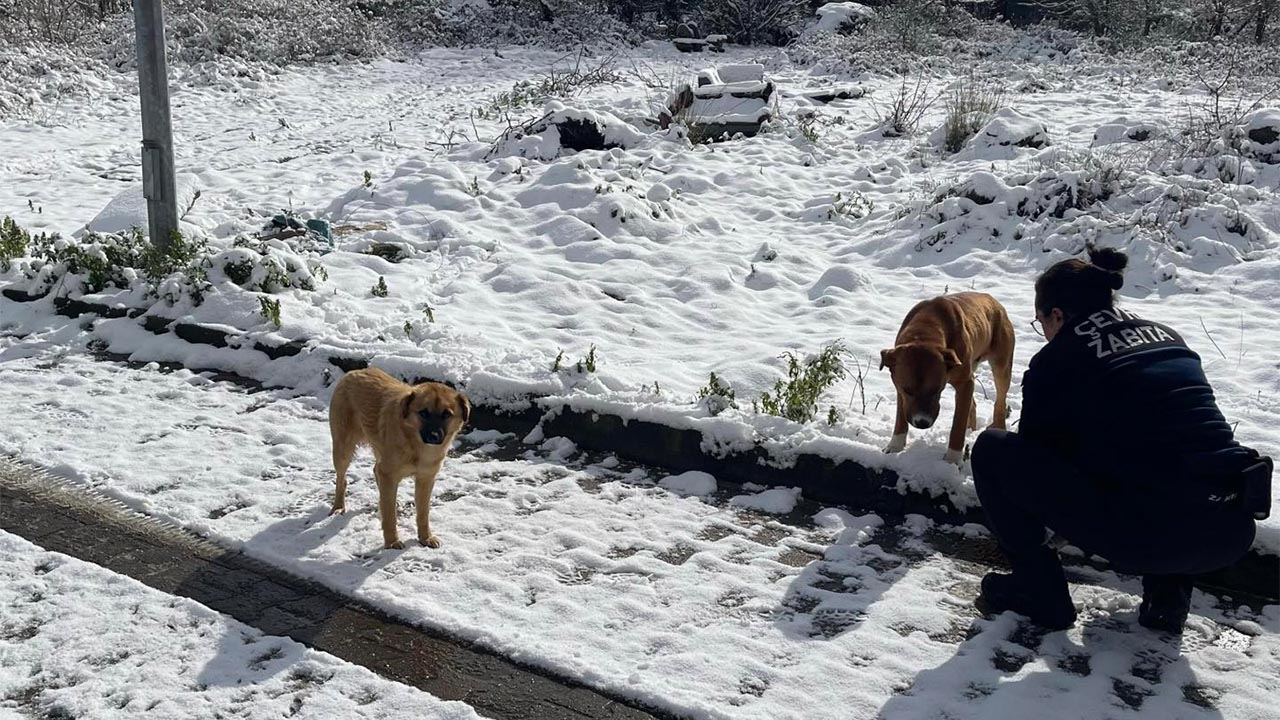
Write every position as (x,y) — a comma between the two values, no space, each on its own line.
(435,412)
(919,373)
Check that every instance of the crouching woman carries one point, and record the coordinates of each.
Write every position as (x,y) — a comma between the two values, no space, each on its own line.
(1121,450)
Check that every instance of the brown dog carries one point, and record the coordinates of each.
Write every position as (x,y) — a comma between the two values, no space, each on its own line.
(942,341)
(409,428)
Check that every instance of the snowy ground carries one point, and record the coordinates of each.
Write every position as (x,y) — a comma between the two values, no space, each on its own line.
(80,641)
(671,590)
(672,260)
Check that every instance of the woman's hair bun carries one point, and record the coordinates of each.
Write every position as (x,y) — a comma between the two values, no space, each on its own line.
(1108,259)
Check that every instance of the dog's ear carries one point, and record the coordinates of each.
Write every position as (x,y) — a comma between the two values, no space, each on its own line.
(406,404)
(950,358)
(887,358)
(464,408)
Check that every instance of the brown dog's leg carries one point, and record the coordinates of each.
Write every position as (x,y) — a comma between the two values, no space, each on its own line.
(964,407)
(387,486)
(973,414)
(423,484)
(343,449)
(1002,370)
(899,439)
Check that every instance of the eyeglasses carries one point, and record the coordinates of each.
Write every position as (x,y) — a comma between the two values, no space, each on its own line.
(1038,327)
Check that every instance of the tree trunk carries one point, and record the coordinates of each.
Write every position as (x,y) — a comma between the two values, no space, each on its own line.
(1265,8)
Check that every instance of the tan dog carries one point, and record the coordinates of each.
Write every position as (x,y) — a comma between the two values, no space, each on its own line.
(941,342)
(409,428)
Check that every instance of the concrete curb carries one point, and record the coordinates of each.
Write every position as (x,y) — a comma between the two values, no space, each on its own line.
(842,482)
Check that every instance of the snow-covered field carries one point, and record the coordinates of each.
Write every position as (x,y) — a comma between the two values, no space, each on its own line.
(673,261)
(80,641)
(671,590)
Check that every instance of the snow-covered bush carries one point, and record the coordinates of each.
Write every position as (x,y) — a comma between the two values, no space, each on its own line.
(268,266)
(970,106)
(560,24)
(63,22)
(716,396)
(755,22)
(187,269)
(278,32)
(124,261)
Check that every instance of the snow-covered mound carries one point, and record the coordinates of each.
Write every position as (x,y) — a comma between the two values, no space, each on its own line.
(128,210)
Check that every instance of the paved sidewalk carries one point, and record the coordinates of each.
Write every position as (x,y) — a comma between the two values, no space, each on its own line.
(103,532)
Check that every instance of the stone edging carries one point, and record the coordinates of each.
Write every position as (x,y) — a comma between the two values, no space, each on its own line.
(841,482)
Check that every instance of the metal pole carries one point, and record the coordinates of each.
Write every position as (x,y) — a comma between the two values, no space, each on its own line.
(157,134)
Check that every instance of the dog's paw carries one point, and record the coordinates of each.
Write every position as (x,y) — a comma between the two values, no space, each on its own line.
(396,545)
(430,541)
(953,456)
(896,444)
(337,510)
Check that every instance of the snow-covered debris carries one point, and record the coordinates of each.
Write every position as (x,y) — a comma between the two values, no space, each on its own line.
(1009,128)
(1262,135)
(722,102)
(842,17)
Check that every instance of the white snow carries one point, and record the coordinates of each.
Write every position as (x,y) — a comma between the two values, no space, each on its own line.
(778,501)
(690,483)
(673,261)
(703,609)
(77,640)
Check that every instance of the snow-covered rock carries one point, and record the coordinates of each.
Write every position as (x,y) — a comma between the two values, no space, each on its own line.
(1262,135)
(1124,130)
(1009,128)
(568,128)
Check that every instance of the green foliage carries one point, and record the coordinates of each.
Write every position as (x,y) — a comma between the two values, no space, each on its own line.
(796,398)
(717,395)
(808,126)
(117,259)
(368,179)
(380,290)
(270,309)
(555,366)
(13,243)
(588,363)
